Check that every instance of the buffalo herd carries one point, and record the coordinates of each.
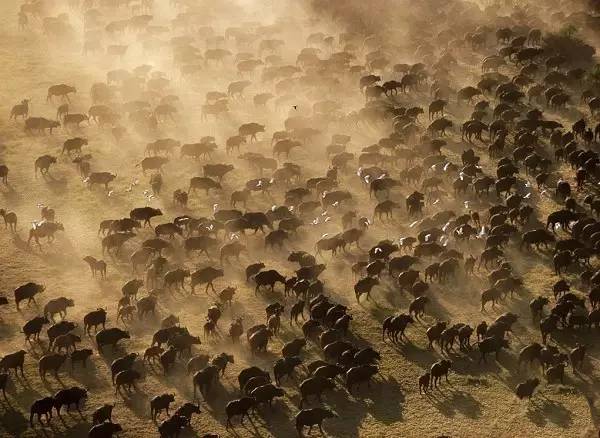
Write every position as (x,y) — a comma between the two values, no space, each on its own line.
(443,161)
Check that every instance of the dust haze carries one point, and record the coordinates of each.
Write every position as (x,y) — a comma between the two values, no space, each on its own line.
(345,190)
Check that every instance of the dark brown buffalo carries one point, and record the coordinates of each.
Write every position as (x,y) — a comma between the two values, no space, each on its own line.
(526,389)
(104,430)
(27,291)
(103,178)
(39,407)
(70,396)
(144,214)
(311,417)
(160,403)
(110,336)
(40,124)
(315,386)
(239,407)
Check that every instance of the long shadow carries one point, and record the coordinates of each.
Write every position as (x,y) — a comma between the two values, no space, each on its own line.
(275,420)
(48,383)
(449,401)
(79,429)
(26,385)
(21,244)
(352,411)
(387,405)
(7,331)
(542,410)
(506,363)
(14,421)
(411,352)
(136,401)
(87,376)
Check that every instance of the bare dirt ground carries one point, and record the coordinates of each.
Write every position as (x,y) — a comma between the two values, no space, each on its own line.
(478,401)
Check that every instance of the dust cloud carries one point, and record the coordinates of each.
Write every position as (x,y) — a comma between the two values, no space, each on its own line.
(336,171)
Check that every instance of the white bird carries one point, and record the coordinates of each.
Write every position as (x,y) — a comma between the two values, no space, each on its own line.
(109,194)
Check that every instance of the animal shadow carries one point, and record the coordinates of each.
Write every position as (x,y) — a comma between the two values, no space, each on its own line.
(543,410)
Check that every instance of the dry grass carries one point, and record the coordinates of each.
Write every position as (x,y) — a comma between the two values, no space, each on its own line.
(478,401)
